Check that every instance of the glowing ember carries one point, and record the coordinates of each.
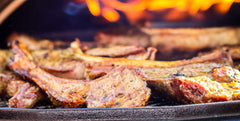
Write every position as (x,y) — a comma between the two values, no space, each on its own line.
(136,9)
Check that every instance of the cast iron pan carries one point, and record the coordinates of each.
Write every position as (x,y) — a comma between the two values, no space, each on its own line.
(207,111)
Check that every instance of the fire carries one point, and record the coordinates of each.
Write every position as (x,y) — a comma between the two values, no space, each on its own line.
(135,9)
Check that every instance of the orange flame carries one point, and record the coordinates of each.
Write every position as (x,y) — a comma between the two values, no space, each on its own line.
(134,9)
(93,6)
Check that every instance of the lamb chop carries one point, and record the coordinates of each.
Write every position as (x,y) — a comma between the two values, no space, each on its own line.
(31,42)
(122,36)
(122,87)
(62,92)
(61,63)
(181,39)
(23,94)
(222,84)
(172,44)
(72,93)
(115,51)
(130,52)
(190,70)
(186,39)
(201,66)
(194,83)
(103,61)
(64,63)
(27,95)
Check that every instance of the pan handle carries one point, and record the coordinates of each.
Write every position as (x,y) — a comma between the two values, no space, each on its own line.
(7,7)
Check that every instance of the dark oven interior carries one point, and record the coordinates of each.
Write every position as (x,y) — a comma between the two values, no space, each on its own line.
(63,20)
(68,19)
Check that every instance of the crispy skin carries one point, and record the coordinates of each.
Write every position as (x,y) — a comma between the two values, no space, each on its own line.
(122,36)
(62,92)
(186,39)
(26,96)
(103,61)
(120,88)
(72,93)
(201,89)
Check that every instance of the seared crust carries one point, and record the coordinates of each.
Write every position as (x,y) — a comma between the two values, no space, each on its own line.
(120,88)
(23,94)
(13,86)
(26,96)
(201,89)
(202,62)
(189,70)
(61,63)
(62,92)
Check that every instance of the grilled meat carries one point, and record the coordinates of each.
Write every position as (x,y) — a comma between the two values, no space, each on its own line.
(64,63)
(61,63)
(72,93)
(9,84)
(146,63)
(130,52)
(120,88)
(26,96)
(122,36)
(13,87)
(115,51)
(41,44)
(202,89)
(62,92)
(190,70)
(149,55)
(22,93)
(30,42)
(191,39)
(181,39)
(173,44)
